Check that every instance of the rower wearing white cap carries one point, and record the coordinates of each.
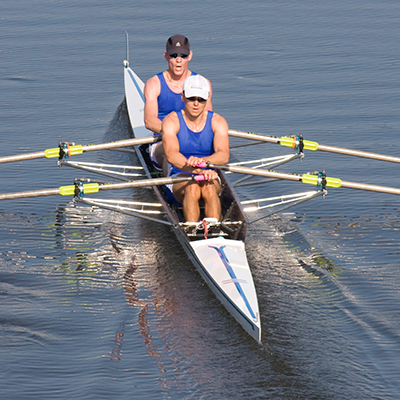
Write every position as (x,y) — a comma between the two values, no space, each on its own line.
(163,92)
(193,136)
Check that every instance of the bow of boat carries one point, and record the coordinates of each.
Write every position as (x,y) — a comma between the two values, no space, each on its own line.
(223,264)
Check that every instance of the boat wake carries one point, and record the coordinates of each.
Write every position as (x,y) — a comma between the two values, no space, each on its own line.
(315,302)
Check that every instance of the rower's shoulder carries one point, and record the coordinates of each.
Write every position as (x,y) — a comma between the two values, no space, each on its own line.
(171,117)
(152,85)
(219,121)
(171,121)
(217,117)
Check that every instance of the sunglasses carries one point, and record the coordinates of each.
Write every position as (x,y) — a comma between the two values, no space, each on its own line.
(176,55)
(194,98)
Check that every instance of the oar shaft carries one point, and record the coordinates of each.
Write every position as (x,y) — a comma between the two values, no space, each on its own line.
(94,187)
(258,172)
(321,147)
(253,136)
(82,149)
(31,193)
(119,143)
(306,179)
(22,157)
(371,188)
(148,182)
(358,153)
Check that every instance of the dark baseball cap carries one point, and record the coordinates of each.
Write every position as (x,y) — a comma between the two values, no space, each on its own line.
(178,44)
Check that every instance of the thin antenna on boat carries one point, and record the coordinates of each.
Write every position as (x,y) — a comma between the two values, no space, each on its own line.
(127,46)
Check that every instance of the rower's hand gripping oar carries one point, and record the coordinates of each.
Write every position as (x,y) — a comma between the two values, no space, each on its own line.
(79,189)
(300,144)
(67,149)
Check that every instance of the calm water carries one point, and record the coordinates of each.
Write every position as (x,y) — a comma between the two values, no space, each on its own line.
(98,305)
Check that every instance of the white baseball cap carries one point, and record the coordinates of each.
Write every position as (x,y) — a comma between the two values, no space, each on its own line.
(196,86)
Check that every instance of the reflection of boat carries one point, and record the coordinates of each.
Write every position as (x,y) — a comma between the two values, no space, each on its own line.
(216,248)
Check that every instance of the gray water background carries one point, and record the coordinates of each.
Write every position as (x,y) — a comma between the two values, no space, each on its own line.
(97,305)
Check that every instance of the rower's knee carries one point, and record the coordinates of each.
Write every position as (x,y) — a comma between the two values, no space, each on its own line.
(193,191)
(210,191)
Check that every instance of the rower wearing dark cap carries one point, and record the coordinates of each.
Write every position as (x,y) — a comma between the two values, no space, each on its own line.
(163,92)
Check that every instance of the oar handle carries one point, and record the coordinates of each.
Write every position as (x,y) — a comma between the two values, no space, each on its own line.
(203,165)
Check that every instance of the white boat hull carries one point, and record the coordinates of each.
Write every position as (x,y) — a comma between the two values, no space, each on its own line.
(134,87)
(223,265)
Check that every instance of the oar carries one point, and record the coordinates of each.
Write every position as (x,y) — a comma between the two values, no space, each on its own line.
(307,178)
(294,142)
(72,149)
(80,188)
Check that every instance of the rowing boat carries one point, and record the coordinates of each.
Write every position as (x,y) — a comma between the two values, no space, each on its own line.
(216,248)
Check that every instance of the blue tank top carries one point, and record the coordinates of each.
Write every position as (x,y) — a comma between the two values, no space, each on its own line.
(198,144)
(168,100)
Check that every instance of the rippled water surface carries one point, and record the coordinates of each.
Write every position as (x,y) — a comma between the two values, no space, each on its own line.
(97,305)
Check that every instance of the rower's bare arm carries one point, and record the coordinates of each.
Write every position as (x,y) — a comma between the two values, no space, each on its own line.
(221,141)
(170,128)
(151,92)
(209,106)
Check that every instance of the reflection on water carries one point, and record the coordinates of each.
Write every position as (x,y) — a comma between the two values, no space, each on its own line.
(86,253)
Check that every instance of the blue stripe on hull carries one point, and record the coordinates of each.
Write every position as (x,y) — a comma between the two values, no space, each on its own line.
(231,272)
(254,330)
(136,84)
